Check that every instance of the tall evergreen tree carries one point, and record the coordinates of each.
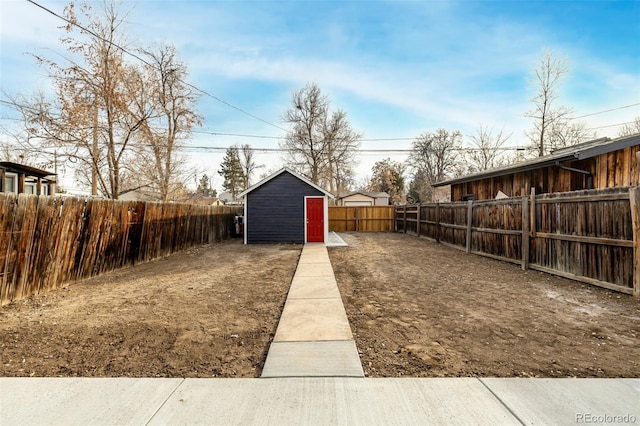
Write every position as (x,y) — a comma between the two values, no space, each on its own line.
(232,171)
(204,187)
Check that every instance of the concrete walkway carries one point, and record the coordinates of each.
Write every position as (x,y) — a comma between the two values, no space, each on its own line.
(318,401)
(313,338)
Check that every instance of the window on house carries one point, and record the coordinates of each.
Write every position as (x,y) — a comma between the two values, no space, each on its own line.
(30,187)
(10,182)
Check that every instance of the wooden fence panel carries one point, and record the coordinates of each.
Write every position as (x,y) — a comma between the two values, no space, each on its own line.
(361,218)
(497,228)
(588,236)
(46,241)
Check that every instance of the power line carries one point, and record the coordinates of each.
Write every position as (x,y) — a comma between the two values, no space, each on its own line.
(222,101)
(611,125)
(274,150)
(608,110)
(241,135)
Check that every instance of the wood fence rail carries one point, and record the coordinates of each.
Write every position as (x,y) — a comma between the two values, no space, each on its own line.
(46,241)
(590,236)
(361,218)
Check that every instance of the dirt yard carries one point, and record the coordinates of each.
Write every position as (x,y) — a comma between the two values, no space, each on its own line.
(208,312)
(421,309)
(416,309)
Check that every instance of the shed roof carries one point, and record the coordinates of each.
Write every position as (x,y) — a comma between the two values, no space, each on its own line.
(365,193)
(28,170)
(278,173)
(572,153)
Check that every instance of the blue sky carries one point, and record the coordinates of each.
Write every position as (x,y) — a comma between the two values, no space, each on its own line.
(398,68)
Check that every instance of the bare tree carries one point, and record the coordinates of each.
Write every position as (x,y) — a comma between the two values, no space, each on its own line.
(566,132)
(548,75)
(629,129)
(486,149)
(305,142)
(341,142)
(436,154)
(320,144)
(26,143)
(94,116)
(248,163)
(169,105)
(16,144)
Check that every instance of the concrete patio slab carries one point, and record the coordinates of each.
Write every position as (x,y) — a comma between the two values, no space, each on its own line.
(81,401)
(568,401)
(308,320)
(348,401)
(313,359)
(314,288)
(335,240)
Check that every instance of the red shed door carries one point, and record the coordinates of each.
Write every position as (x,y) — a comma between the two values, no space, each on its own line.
(315,220)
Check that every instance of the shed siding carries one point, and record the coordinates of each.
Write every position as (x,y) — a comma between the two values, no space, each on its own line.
(359,198)
(275,210)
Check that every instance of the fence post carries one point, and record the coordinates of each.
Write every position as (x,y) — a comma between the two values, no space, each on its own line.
(395,218)
(404,220)
(357,220)
(532,212)
(634,201)
(418,220)
(437,221)
(525,233)
(469,223)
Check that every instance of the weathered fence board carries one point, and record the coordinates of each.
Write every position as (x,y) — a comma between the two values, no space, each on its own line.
(47,241)
(591,236)
(361,218)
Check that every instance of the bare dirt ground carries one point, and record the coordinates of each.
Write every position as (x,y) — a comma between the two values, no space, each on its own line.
(416,309)
(208,312)
(422,309)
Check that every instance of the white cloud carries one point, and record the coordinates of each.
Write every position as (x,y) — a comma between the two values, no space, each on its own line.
(398,68)
(25,23)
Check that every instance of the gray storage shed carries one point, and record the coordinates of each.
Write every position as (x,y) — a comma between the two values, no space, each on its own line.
(285,208)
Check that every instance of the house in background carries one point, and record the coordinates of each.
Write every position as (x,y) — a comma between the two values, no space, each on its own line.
(286,208)
(227,199)
(597,164)
(361,198)
(203,200)
(140,194)
(20,179)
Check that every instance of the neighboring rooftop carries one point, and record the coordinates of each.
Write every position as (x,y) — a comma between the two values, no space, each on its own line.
(572,153)
(31,171)
(365,193)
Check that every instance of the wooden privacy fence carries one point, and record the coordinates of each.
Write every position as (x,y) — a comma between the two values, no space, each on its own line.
(47,241)
(590,236)
(361,218)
